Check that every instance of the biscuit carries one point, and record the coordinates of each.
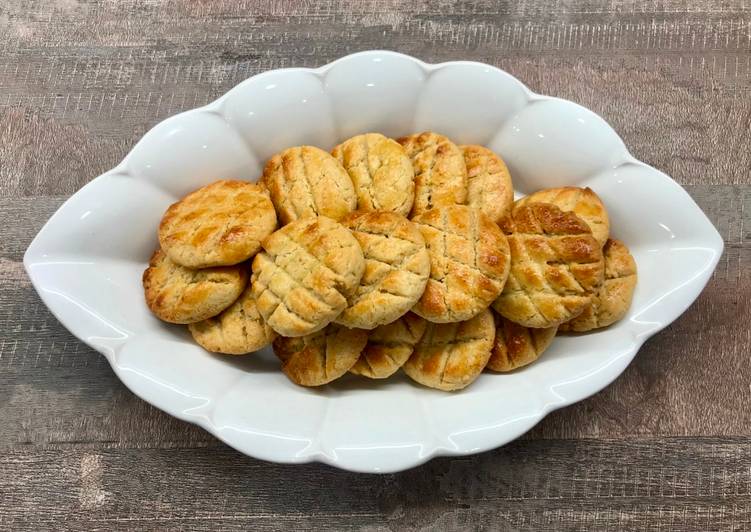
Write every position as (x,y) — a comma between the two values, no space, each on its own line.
(581,201)
(305,181)
(181,295)
(469,263)
(381,172)
(304,275)
(556,266)
(613,299)
(516,346)
(452,355)
(389,347)
(238,330)
(218,225)
(397,266)
(440,171)
(321,357)
(489,186)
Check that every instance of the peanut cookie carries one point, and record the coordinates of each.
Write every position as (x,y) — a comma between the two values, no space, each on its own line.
(489,187)
(397,266)
(556,266)
(613,299)
(218,225)
(452,355)
(306,181)
(381,172)
(469,263)
(389,347)
(321,357)
(440,171)
(581,201)
(181,295)
(238,330)
(302,279)
(516,346)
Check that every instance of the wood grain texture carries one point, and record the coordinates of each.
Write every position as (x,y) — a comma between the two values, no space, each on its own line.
(666,446)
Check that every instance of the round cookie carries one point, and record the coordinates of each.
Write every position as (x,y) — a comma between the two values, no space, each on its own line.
(389,347)
(516,346)
(489,186)
(397,266)
(381,172)
(218,225)
(238,330)
(581,201)
(321,357)
(302,279)
(452,355)
(556,266)
(469,263)
(306,181)
(440,171)
(613,299)
(181,295)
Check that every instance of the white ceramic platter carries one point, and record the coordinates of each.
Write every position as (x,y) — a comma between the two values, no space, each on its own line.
(86,262)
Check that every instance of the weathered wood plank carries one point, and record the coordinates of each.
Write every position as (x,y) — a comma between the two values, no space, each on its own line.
(681,484)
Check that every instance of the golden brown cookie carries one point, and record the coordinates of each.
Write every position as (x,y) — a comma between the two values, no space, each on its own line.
(581,201)
(181,295)
(469,263)
(302,279)
(321,357)
(389,347)
(217,225)
(613,299)
(306,181)
(396,269)
(440,171)
(452,355)
(489,187)
(381,172)
(516,346)
(238,330)
(556,266)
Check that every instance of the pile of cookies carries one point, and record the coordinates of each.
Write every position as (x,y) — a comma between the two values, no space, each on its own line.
(388,254)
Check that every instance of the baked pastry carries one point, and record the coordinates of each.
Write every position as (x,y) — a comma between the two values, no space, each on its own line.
(556,266)
(396,269)
(489,186)
(469,263)
(321,357)
(389,347)
(516,345)
(613,299)
(440,171)
(182,295)
(217,225)
(581,201)
(304,275)
(452,355)
(238,330)
(381,172)
(306,181)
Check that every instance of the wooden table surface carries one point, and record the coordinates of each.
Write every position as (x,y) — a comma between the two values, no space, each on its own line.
(667,446)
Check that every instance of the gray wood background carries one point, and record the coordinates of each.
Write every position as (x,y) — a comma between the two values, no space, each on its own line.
(666,447)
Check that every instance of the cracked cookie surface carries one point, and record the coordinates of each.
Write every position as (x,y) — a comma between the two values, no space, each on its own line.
(381,172)
(516,346)
(489,186)
(450,356)
(306,181)
(389,347)
(305,273)
(182,295)
(217,225)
